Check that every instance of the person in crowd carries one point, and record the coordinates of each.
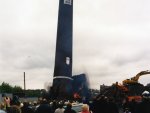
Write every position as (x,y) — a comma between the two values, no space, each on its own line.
(126,104)
(144,106)
(2,108)
(112,107)
(14,109)
(100,104)
(85,109)
(44,107)
(12,106)
(69,109)
(34,106)
(132,106)
(127,110)
(27,108)
(54,106)
(60,108)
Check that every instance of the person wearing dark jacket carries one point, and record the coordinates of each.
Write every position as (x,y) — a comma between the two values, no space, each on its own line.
(44,107)
(112,107)
(27,108)
(100,104)
(144,106)
(69,109)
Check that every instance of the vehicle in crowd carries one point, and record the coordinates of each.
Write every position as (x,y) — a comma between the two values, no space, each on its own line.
(77,107)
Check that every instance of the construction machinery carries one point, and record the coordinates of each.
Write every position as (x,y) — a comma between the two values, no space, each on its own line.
(135,79)
(130,88)
(116,91)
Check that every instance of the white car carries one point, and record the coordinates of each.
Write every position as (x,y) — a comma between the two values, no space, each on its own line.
(76,107)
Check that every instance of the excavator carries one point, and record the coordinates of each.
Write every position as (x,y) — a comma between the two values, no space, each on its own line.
(134,87)
(130,88)
(135,79)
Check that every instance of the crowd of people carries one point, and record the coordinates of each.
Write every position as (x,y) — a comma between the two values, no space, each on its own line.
(104,104)
(41,106)
(101,104)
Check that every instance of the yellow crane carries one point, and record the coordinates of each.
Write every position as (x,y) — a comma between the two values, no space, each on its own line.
(135,79)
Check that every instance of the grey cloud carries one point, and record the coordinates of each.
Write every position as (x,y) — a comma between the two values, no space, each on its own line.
(123,60)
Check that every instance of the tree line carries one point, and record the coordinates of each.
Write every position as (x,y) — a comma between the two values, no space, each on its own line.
(7,88)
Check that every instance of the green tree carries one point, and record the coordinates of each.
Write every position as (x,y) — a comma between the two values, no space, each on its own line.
(6,88)
(17,89)
(33,93)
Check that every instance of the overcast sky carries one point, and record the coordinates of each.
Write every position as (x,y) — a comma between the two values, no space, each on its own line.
(110,40)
